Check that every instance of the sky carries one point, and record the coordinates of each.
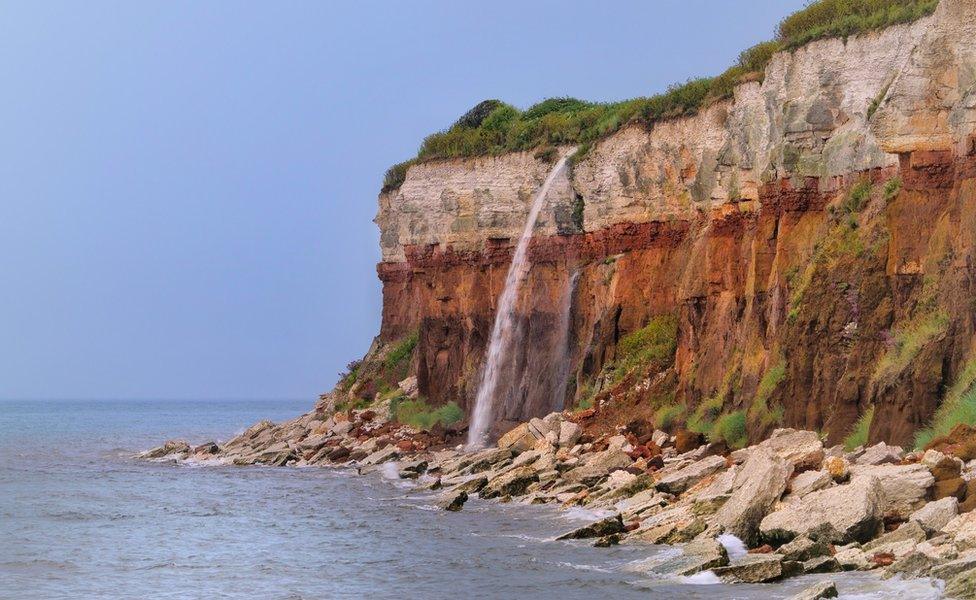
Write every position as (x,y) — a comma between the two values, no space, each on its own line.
(187,188)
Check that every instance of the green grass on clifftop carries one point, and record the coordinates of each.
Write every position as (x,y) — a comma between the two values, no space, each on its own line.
(493,127)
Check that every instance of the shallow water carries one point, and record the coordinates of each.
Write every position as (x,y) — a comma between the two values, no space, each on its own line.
(79,518)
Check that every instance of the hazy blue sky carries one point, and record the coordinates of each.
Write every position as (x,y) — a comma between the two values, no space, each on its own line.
(187,188)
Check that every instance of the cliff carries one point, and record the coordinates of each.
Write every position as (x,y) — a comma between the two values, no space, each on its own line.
(803,250)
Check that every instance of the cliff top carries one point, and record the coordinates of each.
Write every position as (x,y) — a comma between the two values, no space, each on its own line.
(493,127)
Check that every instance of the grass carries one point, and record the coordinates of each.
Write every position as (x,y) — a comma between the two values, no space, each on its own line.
(958,406)
(348,377)
(419,415)
(493,127)
(891,189)
(703,419)
(731,428)
(668,416)
(876,102)
(859,435)
(401,351)
(908,341)
(655,342)
(857,197)
(760,412)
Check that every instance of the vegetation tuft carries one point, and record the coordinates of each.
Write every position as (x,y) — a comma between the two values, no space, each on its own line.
(958,406)
(859,435)
(419,415)
(493,127)
(760,412)
(400,352)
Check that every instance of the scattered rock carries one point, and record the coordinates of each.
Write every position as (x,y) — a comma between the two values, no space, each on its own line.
(880,454)
(453,500)
(821,564)
(803,548)
(757,486)
(604,527)
(518,440)
(936,515)
(905,487)
(696,556)
(838,467)
(843,513)
(962,585)
(569,434)
(817,591)
(802,449)
(684,478)
(752,568)
(511,483)
(809,481)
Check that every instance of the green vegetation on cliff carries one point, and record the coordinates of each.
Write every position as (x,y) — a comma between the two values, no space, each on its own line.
(418,414)
(493,127)
(958,406)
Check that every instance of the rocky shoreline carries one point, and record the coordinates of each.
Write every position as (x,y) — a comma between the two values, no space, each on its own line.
(783,507)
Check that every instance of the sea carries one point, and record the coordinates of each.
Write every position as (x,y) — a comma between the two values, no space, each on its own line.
(80,517)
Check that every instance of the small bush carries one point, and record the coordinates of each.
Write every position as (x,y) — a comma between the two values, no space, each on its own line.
(396,175)
(859,435)
(909,340)
(419,415)
(703,419)
(958,406)
(857,197)
(731,428)
(844,18)
(656,342)
(348,377)
(400,352)
(759,411)
(891,189)
(668,416)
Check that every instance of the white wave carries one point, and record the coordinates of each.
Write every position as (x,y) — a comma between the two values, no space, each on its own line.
(578,513)
(703,578)
(733,545)
(389,470)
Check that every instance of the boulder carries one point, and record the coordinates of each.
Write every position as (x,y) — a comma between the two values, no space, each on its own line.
(970,502)
(412,469)
(752,568)
(803,548)
(821,564)
(936,515)
(758,485)
(381,456)
(539,428)
(963,530)
(842,513)
(962,585)
(853,558)
(910,531)
(817,591)
(802,449)
(913,564)
(510,483)
(838,467)
(686,441)
(169,448)
(472,484)
(518,440)
(947,571)
(809,481)
(880,454)
(604,527)
(569,434)
(949,488)
(597,466)
(409,386)
(207,449)
(660,438)
(905,487)
(453,500)
(699,555)
(684,478)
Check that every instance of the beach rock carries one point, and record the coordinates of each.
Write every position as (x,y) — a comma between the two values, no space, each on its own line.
(905,487)
(569,434)
(699,555)
(912,564)
(381,456)
(880,454)
(752,568)
(809,481)
(206,449)
(948,570)
(412,469)
(660,438)
(803,548)
(843,513)
(604,527)
(936,515)
(511,483)
(472,484)
(597,466)
(853,558)
(950,488)
(171,447)
(757,486)
(681,480)
(910,531)
(802,449)
(519,439)
(821,564)
(607,541)
(838,467)
(453,500)
(817,591)
(962,586)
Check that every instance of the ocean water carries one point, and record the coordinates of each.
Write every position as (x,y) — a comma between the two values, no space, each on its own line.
(80,518)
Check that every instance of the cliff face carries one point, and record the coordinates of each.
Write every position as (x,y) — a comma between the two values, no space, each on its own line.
(813,238)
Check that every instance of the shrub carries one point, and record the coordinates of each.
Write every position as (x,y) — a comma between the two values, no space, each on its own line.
(348,377)
(958,406)
(859,435)
(396,175)
(667,416)
(760,411)
(703,419)
(419,415)
(654,342)
(492,127)
(858,196)
(400,352)
(909,340)
(891,188)
(731,428)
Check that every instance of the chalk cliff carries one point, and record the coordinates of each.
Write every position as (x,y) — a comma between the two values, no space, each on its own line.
(810,244)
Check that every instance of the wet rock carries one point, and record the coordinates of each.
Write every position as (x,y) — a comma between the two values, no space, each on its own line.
(905,487)
(852,558)
(821,564)
(412,469)
(597,466)
(910,531)
(696,556)
(803,549)
(453,500)
(962,585)
(607,541)
(381,456)
(936,515)
(757,486)
(817,591)
(681,480)
(601,528)
(511,483)
(912,564)
(472,484)
(752,568)
(880,454)
(171,447)
(947,571)
(850,512)
(209,448)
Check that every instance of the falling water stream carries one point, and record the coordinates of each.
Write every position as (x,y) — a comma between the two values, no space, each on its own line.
(504,332)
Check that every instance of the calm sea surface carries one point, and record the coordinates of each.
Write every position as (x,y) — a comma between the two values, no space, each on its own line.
(79,518)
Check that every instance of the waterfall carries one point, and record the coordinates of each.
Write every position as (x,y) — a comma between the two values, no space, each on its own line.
(503,332)
(560,349)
